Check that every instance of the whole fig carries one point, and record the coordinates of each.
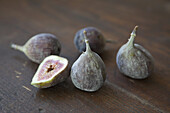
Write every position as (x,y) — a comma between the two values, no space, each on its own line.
(133,60)
(40,46)
(96,40)
(50,72)
(88,71)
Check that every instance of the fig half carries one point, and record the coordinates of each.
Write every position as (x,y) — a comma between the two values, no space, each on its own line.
(50,72)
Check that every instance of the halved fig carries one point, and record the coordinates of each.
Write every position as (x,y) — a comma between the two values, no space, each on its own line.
(50,72)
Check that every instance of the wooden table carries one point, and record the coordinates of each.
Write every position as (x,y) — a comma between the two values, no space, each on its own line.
(21,19)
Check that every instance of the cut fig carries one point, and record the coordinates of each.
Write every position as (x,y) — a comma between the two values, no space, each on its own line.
(50,72)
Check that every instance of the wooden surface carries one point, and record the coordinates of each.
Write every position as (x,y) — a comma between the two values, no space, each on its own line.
(21,19)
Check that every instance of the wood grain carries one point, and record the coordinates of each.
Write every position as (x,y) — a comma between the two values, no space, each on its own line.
(21,19)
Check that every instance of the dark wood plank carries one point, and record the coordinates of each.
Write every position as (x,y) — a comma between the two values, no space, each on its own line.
(21,19)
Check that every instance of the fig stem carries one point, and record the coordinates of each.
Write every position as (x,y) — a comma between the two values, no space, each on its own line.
(110,41)
(88,49)
(132,37)
(17,47)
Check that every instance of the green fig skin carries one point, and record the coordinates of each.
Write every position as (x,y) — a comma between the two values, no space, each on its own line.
(133,60)
(40,46)
(88,71)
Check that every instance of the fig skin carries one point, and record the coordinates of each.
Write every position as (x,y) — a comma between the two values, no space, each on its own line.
(88,71)
(96,40)
(58,77)
(40,46)
(133,60)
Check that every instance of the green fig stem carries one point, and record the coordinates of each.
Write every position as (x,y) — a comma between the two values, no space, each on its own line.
(132,37)
(17,47)
(110,41)
(88,49)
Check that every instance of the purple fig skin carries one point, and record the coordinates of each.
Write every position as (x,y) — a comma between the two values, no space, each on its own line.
(88,71)
(40,46)
(133,60)
(95,38)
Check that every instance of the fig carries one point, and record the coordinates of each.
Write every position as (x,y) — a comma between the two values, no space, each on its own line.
(133,60)
(50,72)
(88,71)
(96,40)
(40,46)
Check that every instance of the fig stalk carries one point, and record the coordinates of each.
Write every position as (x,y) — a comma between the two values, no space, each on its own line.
(17,47)
(132,37)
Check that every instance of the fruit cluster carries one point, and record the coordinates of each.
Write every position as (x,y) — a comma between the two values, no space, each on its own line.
(88,72)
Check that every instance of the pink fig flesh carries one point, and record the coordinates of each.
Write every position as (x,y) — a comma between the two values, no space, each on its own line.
(50,72)
(49,69)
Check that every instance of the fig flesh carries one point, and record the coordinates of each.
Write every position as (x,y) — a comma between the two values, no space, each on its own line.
(40,46)
(133,60)
(88,71)
(50,72)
